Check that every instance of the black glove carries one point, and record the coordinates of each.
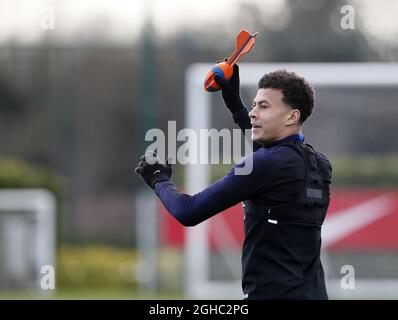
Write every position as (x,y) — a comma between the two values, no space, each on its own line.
(230,90)
(152,171)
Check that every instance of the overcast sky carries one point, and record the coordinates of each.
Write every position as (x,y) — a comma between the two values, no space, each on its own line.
(122,20)
(118,19)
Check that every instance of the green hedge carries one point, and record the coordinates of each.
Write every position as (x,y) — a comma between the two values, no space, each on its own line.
(365,170)
(353,170)
(96,267)
(15,173)
(114,268)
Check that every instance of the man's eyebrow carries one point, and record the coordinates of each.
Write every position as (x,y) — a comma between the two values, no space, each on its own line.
(261,101)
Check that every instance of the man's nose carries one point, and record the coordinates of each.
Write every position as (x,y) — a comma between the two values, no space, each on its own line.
(252,113)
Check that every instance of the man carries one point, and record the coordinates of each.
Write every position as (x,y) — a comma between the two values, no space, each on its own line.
(285,196)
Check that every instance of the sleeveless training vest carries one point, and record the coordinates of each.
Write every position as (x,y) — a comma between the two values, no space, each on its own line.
(281,251)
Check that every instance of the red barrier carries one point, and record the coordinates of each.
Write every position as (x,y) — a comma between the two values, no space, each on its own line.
(357,219)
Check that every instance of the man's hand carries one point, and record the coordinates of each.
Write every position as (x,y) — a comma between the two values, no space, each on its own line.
(152,171)
(230,90)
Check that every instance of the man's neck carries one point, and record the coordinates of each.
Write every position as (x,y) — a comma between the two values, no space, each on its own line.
(288,133)
(282,136)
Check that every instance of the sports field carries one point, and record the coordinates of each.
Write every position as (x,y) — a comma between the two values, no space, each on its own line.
(90,294)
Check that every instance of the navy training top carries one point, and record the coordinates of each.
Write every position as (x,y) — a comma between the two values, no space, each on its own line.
(272,165)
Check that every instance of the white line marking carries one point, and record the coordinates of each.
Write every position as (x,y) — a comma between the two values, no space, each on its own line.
(347,221)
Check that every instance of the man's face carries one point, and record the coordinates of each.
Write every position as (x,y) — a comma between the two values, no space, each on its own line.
(269,116)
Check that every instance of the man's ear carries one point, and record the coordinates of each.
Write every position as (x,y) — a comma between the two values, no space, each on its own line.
(294,117)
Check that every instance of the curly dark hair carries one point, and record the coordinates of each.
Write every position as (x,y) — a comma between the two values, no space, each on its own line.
(297,92)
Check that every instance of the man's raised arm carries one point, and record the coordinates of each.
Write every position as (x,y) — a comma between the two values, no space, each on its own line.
(231,96)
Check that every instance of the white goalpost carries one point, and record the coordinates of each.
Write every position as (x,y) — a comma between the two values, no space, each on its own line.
(27,237)
(198,116)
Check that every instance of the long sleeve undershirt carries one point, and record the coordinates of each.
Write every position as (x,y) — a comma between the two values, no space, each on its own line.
(190,210)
